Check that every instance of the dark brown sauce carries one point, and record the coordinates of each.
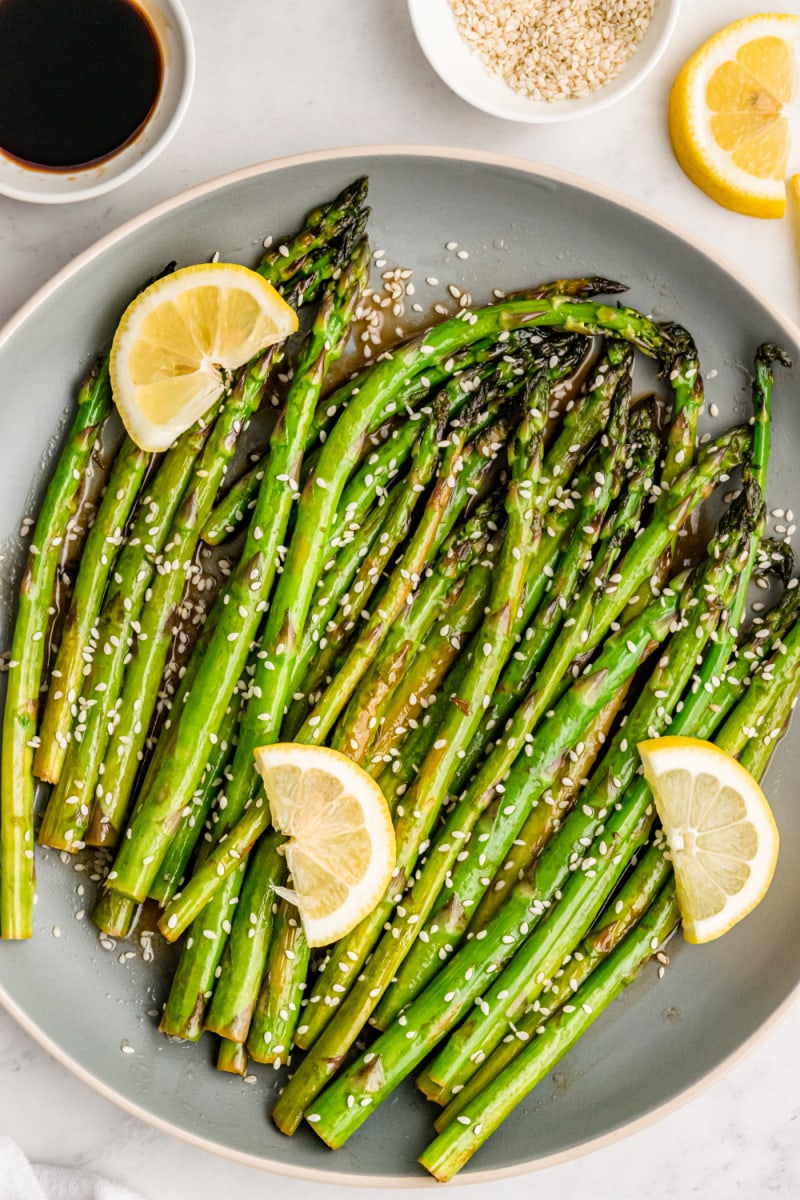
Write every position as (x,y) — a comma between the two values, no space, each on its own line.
(78,79)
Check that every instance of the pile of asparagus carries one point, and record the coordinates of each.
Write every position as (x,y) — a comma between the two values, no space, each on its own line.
(471,586)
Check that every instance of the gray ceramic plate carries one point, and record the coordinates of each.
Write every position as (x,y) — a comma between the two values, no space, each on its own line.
(519,224)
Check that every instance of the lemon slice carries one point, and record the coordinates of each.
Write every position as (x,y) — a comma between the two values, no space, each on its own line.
(179,340)
(727,113)
(722,836)
(341,852)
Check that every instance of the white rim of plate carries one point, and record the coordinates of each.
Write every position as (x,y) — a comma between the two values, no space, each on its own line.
(175,9)
(480,158)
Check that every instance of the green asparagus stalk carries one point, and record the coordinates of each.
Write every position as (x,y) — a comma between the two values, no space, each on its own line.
(97,561)
(278,1007)
(232,1058)
(284,262)
(193,982)
(26,663)
(201,954)
(688,396)
(244,960)
(177,859)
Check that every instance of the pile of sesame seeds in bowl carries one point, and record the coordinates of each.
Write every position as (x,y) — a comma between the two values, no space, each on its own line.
(554,49)
(543,60)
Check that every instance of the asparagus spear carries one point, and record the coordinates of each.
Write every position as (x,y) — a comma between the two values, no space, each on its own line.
(242,966)
(232,1058)
(178,857)
(97,562)
(343,217)
(27,657)
(278,1007)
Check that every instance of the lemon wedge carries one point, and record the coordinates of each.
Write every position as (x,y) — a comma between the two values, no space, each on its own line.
(727,113)
(178,341)
(722,837)
(341,852)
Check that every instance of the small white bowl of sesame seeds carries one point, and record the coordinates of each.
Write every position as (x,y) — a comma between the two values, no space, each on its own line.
(543,60)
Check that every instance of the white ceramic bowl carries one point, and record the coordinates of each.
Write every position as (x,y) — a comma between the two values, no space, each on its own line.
(61,187)
(463,72)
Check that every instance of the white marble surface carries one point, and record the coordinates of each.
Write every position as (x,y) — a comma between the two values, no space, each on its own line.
(278,78)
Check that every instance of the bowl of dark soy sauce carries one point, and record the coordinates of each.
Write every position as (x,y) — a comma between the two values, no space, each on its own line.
(90,92)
